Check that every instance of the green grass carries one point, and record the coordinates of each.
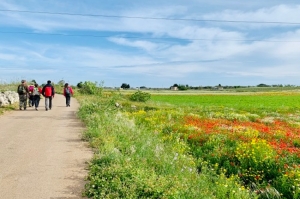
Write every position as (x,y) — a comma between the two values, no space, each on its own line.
(9,87)
(8,108)
(279,102)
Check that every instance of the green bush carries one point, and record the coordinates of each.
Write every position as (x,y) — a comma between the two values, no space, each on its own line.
(90,88)
(140,96)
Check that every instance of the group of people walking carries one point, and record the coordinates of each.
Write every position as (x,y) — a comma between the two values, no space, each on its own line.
(34,93)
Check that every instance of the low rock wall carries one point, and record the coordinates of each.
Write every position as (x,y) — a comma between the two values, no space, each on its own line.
(8,97)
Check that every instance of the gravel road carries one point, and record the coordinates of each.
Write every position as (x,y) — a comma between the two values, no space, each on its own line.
(42,155)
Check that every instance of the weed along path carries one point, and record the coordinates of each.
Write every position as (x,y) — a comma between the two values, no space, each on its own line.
(42,155)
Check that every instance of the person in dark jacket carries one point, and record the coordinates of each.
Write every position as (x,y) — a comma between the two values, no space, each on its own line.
(23,94)
(48,92)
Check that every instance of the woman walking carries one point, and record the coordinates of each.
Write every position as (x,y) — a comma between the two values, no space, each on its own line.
(36,95)
(68,91)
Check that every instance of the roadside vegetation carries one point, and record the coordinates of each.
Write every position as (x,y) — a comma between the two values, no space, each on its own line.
(193,146)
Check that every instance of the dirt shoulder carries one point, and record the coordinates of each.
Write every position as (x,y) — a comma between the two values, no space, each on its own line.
(41,152)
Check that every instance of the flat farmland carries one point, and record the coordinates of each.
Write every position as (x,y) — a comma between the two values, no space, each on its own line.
(279,102)
(213,144)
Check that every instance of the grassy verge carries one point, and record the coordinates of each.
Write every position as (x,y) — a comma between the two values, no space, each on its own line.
(8,108)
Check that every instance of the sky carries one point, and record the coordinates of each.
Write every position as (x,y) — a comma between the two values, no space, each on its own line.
(151,43)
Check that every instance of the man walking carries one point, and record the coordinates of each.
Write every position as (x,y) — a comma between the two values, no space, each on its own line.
(23,92)
(48,92)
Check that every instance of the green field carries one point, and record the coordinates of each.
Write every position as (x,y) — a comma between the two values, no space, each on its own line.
(279,102)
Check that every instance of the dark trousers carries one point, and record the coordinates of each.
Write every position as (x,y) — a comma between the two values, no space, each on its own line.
(31,103)
(36,100)
(68,100)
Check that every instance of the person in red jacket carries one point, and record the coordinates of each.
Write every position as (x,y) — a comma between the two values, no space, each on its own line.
(68,91)
(48,92)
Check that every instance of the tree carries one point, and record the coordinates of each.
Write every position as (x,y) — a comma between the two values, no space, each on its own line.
(182,87)
(263,85)
(80,85)
(125,86)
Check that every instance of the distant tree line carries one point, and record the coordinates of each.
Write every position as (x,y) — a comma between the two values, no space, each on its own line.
(187,87)
(219,86)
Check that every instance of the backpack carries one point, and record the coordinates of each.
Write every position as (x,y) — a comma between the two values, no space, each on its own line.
(36,91)
(31,88)
(67,91)
(21,89)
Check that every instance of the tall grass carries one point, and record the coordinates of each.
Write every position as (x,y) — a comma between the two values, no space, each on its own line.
(9,86)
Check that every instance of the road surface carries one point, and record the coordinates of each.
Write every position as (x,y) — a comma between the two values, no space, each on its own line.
(42,155)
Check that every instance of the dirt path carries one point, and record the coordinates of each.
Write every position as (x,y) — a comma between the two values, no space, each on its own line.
(41,153)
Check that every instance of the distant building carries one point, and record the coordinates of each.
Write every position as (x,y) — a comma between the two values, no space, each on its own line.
(174,88)
(220,88)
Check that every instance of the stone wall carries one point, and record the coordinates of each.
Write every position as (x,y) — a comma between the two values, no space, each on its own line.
(8,97)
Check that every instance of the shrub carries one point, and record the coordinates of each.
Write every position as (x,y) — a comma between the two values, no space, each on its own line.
(140,96)
(90,88)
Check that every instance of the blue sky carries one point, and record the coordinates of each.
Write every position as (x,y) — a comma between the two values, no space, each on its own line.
(151,43)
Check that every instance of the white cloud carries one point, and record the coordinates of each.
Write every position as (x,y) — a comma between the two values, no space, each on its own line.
(278,13)
(148,46)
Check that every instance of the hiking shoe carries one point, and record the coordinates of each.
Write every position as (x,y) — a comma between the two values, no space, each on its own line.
(46,109)
(20,108)
(24,108)
(36,109)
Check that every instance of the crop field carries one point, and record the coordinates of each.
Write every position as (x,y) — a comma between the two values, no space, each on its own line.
(277,102)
